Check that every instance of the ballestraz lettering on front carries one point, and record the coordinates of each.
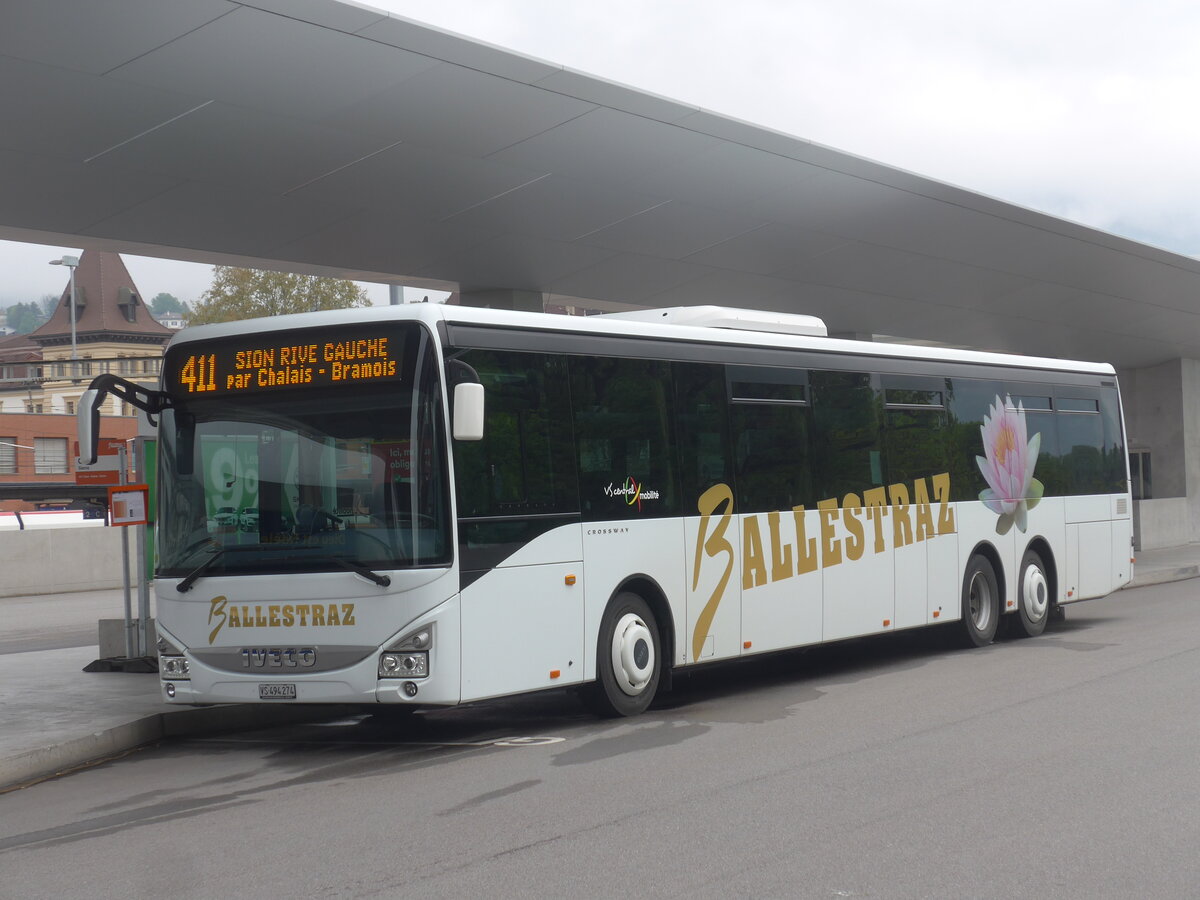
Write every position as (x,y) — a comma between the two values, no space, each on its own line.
(277,615)
(847,530)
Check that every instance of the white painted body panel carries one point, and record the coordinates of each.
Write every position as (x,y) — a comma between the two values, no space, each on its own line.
(616,551)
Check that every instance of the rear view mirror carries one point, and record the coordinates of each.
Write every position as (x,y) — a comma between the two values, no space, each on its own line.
(88,417)
(468,412)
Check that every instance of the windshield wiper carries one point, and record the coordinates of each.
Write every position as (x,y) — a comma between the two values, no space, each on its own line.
(357,568)
(190,578)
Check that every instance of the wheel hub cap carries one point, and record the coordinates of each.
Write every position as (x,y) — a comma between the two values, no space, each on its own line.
(1035,593)
(632,654)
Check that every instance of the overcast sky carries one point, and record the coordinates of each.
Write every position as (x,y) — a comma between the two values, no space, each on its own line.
(1084,110)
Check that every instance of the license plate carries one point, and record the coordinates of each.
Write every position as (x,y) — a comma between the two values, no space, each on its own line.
(276,692)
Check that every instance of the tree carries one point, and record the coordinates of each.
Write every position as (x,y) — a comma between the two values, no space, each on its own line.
(23,318)
(167,304)
(247,293)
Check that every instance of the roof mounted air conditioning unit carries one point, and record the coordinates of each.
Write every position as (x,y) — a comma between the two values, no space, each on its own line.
(728,317)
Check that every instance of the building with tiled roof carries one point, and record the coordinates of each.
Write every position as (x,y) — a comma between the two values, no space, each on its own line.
(48,369)
(43,374)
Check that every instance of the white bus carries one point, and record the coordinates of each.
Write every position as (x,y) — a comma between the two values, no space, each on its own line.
(429,505)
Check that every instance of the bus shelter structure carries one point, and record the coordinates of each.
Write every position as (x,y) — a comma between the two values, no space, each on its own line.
(331,138)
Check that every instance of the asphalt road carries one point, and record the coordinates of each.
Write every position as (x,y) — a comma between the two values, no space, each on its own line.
(1063,766)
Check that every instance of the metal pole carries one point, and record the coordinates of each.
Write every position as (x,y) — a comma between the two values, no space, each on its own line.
(129,636)
(139,461)
(74,349)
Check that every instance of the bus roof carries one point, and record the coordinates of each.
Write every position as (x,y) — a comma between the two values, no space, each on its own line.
(637,326)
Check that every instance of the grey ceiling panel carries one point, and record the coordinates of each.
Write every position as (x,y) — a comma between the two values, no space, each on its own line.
(608,146)
(379,241)
(715,287)
(416,182)
(671,230)
(629,278)
(231,146)
(98,36)
(768,249)
(339,16)
(73,114)
(329,137)
(514,262)
(600,92)
(273,63)
(555,207)
(227,220)
(727,176)
(452,48)
(44,193)
(448,107)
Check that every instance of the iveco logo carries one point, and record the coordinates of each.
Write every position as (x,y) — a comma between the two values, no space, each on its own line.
(278,658)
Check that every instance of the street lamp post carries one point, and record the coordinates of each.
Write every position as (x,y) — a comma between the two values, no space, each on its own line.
(71,262)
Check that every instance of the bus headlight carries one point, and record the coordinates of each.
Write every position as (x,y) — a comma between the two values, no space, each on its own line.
(172,664)
(403,664)
(408,657)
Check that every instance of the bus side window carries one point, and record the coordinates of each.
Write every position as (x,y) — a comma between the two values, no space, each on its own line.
(847,452)
(702,431)
(772,424)
(525,463)
(915,420)
(624,438)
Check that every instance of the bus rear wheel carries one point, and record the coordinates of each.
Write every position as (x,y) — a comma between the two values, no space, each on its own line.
(980,603)
(628,658)
(1033,597)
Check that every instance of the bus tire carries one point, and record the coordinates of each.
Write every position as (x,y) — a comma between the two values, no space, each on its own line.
(980,603)
(1033,597)
(628,658)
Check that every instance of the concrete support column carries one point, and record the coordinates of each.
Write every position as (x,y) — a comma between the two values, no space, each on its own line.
(1162,416)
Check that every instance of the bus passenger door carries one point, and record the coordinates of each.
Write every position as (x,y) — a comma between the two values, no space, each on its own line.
(522,617)
(519,538)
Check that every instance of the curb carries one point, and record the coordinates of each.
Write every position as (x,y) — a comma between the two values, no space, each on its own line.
(46,762)
(1163,576)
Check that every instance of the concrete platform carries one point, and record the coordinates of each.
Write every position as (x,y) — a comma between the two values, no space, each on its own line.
(54,717)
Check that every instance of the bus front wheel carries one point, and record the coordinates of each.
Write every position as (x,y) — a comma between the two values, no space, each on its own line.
(628,658)
(980,602)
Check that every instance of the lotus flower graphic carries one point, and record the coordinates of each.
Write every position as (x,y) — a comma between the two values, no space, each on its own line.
(1007,466)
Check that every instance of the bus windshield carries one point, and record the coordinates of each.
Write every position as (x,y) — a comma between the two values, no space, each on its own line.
(323,477)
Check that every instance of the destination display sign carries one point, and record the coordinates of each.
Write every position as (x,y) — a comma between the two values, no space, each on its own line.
(286,361)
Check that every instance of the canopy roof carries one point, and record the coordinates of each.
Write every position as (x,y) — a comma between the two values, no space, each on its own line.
(317,136)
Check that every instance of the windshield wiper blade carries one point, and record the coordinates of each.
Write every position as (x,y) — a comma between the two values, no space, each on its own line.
(359,569)
(190,578)
(356,568)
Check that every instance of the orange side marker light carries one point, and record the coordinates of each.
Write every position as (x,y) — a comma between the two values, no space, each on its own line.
(887,623)
(570,580)
(554,673)
(746,644)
